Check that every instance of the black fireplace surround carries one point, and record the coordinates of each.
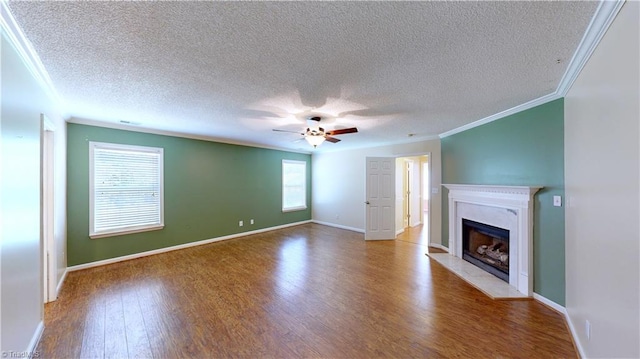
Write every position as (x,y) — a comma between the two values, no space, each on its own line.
(486,247)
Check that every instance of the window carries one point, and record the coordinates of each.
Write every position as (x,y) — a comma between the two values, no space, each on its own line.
(125,189)
(294,185)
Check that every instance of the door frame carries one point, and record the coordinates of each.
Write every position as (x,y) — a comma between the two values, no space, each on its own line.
(47,210)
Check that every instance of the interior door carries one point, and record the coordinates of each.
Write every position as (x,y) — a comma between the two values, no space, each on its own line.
(380,198)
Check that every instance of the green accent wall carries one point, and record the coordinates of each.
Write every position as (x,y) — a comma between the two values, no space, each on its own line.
(208,188)
(526,148)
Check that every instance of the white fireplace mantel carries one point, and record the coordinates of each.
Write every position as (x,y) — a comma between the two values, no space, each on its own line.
(509,207)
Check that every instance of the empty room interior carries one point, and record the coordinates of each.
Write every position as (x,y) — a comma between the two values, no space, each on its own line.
(320,179)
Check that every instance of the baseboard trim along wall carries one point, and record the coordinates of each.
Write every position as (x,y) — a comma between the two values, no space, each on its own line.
(439,246)
(181,246)
(562,310)
(549,303)
(359,230)
(33,344)
(59,286)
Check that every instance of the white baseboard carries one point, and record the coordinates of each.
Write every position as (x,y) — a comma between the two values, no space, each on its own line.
(33,344)
(359,230)
(180,246)
(562,310)
(574,335)
(439,246)
(399,232)
(549,303)
(61,281)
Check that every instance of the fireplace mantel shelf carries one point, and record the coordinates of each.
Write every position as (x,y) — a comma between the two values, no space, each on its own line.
(514,190)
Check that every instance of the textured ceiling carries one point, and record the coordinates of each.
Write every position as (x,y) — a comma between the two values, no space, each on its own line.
(234,71)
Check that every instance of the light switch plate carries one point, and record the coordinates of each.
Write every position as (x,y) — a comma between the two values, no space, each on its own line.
(557,201)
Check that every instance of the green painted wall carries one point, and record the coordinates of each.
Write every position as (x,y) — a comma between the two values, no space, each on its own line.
(526,148)
(209,187)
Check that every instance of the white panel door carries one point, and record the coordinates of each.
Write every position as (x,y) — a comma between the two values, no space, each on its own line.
(380,201)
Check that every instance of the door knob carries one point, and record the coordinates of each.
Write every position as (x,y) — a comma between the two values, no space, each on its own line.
(367,202)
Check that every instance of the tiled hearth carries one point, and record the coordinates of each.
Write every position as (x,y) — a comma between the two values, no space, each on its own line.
(483,281)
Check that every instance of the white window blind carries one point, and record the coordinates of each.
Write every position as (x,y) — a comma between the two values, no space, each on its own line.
(294,185)
(126,189)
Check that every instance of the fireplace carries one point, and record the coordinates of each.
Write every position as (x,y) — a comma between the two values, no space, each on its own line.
(486,247)
(506,207)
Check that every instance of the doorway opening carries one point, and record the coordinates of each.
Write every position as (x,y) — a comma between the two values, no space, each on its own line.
(412,198)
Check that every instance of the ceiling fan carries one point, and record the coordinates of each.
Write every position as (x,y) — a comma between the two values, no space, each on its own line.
(316,135)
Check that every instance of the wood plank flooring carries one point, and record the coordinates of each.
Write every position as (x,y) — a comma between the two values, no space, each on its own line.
(308,291)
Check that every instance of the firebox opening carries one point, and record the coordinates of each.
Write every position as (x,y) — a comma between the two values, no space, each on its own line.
(486,247)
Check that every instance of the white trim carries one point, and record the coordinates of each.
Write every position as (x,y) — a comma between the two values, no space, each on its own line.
(359,230)
(47,208)
(602,19)
(574,335)
(25,50)
(131,128)
(295,163)
(439,246)
(177,247)
(549,303)
(33,344)
(525,106)
(399,231)
(61,282)
(508,207)
(158,153)
(562,310)
(600,22)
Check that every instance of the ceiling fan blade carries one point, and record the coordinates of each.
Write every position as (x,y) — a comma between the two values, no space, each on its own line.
(342,131)
(331,139)
(288,131)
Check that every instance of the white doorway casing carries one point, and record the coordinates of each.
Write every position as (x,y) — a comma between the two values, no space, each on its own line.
(47,215)
(508,207)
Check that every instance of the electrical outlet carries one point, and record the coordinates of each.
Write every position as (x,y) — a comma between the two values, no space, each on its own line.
(241,223)
(587,329)
(337,216)
(557,201)
(251,221)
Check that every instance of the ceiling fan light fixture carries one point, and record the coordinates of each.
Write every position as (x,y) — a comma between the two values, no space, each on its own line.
(314,140)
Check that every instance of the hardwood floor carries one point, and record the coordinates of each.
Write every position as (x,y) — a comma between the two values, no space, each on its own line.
(305,291)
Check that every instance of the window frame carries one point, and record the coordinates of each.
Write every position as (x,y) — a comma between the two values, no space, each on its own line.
(122,230)
(304,186)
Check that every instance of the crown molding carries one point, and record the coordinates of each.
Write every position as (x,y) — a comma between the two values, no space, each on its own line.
(505,113)
(29,57)
(116,126)
(602,19)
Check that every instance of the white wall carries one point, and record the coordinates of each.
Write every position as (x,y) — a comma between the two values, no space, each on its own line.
(602,180)
(23,101)
(338,182)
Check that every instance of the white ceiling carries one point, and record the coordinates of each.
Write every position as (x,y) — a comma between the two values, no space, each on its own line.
(234,71)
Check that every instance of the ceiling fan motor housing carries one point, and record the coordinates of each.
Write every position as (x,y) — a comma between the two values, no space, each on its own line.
(315,131)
